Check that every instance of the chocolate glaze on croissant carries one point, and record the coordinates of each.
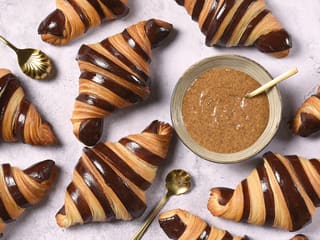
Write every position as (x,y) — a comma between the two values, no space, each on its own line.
(114,75)
(21,189)
(110,180)
(182,225)
(299,237)
(283,192)
(72,18)
(19,119)
(231,23)
(307,117)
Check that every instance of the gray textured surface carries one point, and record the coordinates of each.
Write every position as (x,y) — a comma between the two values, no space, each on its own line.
(19,20)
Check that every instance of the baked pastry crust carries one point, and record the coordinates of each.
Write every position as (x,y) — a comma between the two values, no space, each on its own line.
(73,18)
(22,189)
(182,225)
(19,119)
(114,75)
(231,23)
(110,179)
(282,192)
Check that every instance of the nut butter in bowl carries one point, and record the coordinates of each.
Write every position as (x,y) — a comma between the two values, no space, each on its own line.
(213,118)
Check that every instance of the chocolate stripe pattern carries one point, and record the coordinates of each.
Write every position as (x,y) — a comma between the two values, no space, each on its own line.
(232,23)
(110,179)
(22,189)
(114,75)
(180,224)
(19,119)
(72,18)
(307,118)
(282,192)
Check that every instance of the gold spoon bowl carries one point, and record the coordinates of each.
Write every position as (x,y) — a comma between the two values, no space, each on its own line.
(177,182)
(33,62)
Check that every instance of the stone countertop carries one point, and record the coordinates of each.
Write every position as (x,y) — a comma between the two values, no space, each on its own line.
(19,22)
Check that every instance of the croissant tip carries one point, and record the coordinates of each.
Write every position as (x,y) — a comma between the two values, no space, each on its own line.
(157,30)
(42,171)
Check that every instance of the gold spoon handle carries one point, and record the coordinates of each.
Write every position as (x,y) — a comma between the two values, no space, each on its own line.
(152,215)
(9,44)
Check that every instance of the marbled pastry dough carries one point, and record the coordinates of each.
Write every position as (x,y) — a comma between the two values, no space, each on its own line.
(231,23)
(114,75)
(182,225)
(19,119)
(110,180)
(307,117)
(283,192)
(299,237)
(22,189)
(72,18)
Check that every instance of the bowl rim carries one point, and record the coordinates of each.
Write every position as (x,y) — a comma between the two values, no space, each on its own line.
(273,94)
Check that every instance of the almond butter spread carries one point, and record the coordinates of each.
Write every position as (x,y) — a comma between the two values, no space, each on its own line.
(218,116)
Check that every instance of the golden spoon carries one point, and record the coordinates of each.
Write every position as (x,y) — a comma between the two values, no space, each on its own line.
(272,83)
(33,62)
(177,182)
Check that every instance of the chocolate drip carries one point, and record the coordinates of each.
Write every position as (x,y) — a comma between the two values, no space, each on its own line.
(41,171)
(173,226)
(303,178)
(90,131)
(113,86)
(267,195)
(130,200)
(81,13)
(8,85)
(309,124)
(197,9)
(80,202)
(53,24)
(297,207)
(96,5)
(227,236)
(218,19)
(135,46)
(108,46)
(87,54)
(246,200)
(96,189)
(274,41)
(205,233)
(254,22)
(94,100)
(141,152)
(117,7)
(241,11)
(13,188)
(122,166)
(157,31)
(21,119)
(209,19)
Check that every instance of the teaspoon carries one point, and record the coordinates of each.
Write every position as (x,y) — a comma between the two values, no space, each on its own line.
(177,182)
(32,62)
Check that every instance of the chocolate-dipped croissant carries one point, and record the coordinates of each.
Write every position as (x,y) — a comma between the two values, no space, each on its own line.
(307,117)
(114,75)
(182,225)
(283,192)
(231,23)
(19,119)
(110,180)
(299,237)
(72,18)
(21,189)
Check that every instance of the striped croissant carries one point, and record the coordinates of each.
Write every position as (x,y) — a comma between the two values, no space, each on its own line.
(114,75)
(21,189)
(282,192)
(19,119)
(72,18)
(231,23)
(110,180)
(307,118)
(182,225)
